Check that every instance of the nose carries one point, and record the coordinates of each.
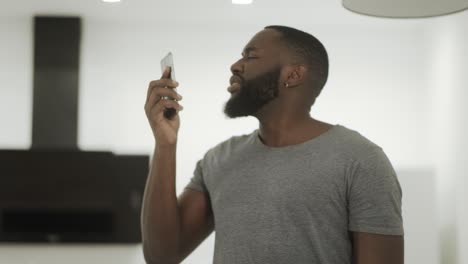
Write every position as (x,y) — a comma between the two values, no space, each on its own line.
(237,67)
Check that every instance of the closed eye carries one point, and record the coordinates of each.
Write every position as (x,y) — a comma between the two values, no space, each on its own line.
(250,52)
(250,57)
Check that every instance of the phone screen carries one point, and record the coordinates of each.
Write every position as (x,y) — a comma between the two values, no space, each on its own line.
(168,61)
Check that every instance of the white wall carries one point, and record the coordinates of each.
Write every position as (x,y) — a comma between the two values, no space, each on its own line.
(460,159)
(450,97)
(460,153)
(16,83)
(449,39)
(381,84)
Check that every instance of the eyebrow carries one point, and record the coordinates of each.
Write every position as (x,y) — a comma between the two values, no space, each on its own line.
(249,49)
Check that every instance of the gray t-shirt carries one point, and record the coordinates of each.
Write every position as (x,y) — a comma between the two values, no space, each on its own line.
(297,204)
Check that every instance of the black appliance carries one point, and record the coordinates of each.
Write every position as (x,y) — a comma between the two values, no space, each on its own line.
(55,192)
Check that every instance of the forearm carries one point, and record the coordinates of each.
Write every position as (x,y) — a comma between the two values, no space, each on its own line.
(160,215)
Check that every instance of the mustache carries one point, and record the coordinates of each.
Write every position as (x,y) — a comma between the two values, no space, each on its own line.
(236,78)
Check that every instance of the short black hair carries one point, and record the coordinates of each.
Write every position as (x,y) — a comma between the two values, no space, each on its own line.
(309,50)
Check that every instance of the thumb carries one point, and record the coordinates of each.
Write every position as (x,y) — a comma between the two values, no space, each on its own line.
(167,73)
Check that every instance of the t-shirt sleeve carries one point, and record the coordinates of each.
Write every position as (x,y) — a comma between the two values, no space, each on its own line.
(197,182)
(374,197)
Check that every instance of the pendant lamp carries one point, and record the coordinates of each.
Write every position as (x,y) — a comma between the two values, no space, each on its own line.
(406,8)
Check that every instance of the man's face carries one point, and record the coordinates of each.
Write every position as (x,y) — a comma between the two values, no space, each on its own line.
(253,94)
(255,80)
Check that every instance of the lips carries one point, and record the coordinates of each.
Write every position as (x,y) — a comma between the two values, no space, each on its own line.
(235,86)
(235,79)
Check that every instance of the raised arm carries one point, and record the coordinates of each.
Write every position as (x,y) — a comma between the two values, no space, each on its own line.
(171,227)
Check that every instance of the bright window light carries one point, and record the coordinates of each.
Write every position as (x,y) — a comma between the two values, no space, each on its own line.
(111,1)
(242,2)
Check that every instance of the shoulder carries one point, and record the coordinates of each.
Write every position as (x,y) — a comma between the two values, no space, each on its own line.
(367,161)
(353,145)
(230,146)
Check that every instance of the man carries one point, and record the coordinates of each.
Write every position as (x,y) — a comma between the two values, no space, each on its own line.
(296,190)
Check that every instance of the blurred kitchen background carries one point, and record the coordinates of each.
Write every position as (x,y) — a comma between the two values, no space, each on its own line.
(401,82)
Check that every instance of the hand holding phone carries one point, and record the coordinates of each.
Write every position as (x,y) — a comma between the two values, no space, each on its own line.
(168,62)
(164,120)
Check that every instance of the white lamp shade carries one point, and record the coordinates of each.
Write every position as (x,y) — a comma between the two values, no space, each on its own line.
(405,8)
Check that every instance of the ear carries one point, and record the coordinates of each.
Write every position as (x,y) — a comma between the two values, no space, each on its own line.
(293,75)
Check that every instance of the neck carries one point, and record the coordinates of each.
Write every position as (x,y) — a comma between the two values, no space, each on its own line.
(284,130)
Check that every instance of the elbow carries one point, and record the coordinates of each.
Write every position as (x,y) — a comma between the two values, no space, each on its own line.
(159,260)
(158,257)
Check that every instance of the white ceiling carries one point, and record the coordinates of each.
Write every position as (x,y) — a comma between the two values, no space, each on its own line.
(186,11)
(202,11)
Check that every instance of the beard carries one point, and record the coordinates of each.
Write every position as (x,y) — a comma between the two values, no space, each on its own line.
(253,94)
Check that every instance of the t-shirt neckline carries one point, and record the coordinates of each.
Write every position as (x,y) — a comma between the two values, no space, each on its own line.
(309,142)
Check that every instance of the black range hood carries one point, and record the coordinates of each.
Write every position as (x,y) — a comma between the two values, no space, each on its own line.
(55,192)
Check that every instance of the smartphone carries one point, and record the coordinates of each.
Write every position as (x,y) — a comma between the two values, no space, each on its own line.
(168,61)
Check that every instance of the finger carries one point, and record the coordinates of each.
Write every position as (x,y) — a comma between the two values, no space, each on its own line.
(164,83)
(160,94)
(152,100)
(165,104)
(166,73)
(163,92)
(160,83)
(170,104)
(160,110)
